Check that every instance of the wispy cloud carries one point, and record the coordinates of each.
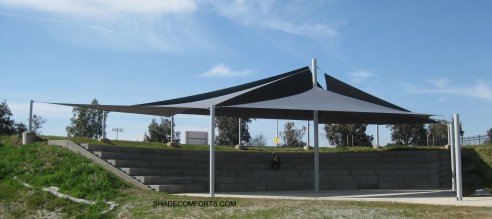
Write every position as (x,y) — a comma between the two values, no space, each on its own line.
(167,25)
(105,7)
(283,17)
(480,89)
(360,76)
(223,71)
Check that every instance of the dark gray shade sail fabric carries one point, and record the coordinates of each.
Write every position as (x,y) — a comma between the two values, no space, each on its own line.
(286,96)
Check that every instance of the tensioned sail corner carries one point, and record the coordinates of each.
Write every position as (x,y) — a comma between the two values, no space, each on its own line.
(286,96)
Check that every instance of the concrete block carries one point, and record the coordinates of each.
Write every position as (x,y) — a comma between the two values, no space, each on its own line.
(392,185)
(277,187)
(231,187)
(390,178)
(155,180)
(345,186)
(412,165)
(433,171)
(194,172)
(305,173)
(255,187)
(385,160)
(240,173)
(335,173)
(226,180)
(330,161)
(389,172)
(291,179)
(366,182)
(338,166)
(196,188)
(339,179)
(164,165)
(248,180)
(271,180)
(201,180)
(385,166)
(354,166)
(367,155)
(300,186)
(264,173)
(363,172)
(182,165)
(418,185)
(326,186)
(284,173)
(183,180)
(167,172)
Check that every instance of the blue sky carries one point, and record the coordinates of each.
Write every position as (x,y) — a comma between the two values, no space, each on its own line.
(427,56)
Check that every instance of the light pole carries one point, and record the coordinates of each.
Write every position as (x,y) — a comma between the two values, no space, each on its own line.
(117,130)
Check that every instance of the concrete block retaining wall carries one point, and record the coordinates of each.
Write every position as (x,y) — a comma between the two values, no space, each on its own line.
(174,170)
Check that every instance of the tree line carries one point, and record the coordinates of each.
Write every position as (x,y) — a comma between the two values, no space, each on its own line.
(88,123)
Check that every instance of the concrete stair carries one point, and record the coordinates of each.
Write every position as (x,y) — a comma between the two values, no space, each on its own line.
(177,171)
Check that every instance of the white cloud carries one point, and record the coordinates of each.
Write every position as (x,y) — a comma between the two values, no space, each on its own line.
(360,76)
(267,14)
(480,89)
(223,71)
(105,7)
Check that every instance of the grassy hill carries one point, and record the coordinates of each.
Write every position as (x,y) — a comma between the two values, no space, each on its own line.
(42,166)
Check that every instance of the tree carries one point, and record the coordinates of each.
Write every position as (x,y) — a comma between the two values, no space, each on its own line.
(6,123)
(86,123)
(408,134)
(489,133)
(37,124)
(161,132)
(438,133)
(228,129)
(259,140)
(293,136)
(348,135)
(20,128)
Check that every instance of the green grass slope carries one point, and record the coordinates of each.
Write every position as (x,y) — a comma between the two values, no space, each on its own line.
(43,166)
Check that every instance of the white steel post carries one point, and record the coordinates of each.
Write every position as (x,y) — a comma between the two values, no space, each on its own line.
(172,129)
(377,131)
(315,130)
(30,116)
(308,135)
(103,134)
(240,120)
(212,151)
(276,133)
(457,144)
(452,150)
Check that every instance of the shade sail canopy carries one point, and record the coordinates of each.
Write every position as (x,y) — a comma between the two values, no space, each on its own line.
(286,96)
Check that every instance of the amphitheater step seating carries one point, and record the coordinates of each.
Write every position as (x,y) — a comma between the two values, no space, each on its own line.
(177,171)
